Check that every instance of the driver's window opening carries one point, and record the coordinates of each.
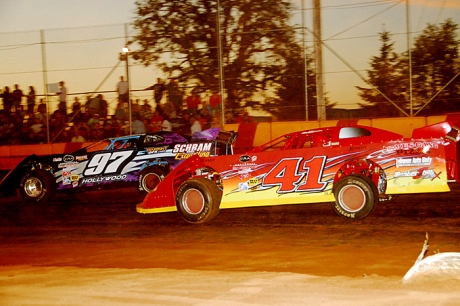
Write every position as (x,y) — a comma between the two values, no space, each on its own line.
(353,132)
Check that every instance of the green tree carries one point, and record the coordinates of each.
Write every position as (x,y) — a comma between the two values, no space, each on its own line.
(385,75)
(435,63)
(180,37)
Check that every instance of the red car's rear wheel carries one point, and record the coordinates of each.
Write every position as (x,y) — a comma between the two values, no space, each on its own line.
(355,197)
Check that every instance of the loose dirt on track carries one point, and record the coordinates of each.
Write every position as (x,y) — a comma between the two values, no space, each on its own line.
(94,249)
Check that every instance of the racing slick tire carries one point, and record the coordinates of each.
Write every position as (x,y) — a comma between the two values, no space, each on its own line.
(355,197)
(37,186)
(149,179)
(198,200)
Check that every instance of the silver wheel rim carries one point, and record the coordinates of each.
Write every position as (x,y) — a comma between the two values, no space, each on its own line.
(352,198)
(33,187)
(149,180)
(193,201)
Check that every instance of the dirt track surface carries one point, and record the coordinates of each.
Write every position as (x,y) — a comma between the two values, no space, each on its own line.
(94,249)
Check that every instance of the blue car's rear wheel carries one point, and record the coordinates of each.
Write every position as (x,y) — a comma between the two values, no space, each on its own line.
(149,179)
(37,186)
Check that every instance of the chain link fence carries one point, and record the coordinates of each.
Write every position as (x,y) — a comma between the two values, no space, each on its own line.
(89,61)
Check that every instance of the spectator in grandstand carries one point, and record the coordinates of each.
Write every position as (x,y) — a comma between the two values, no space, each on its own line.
(195,124)
(42,136)
(158,90)
(138,126)
(37,126)
(79,135)
(57,122)
(77,115)
(31,100)
(174,93)
(135,109)
(120,114)
(205,118)
(95,133)
(5,128)
(166,125)
(27,136)
(92,106)
(7,100)
(146,110)
(193,102)
(94,121)
(157,120)
(103,107)
(184,124)
(62,93)
(41,111)
(30,119)
(109,130)
(229,118)
(215,102)
(169,109)
(123,90)
(16,97)
(63,136)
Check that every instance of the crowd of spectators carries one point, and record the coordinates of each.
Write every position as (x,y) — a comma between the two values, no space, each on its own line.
(22,121)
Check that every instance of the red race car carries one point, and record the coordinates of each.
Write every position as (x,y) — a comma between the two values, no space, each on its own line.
(353,167)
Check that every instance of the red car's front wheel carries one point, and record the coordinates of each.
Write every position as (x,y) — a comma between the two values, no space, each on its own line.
(198,200)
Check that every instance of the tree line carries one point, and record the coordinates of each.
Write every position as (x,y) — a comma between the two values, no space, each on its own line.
(260,54)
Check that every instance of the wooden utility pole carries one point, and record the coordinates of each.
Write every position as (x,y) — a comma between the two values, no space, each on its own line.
(321,103)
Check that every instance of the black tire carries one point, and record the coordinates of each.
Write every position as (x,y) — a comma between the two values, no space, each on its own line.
(198,200)
(37,186)
(149,179)
(355,197)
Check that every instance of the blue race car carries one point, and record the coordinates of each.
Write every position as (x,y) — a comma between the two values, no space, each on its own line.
(141,160)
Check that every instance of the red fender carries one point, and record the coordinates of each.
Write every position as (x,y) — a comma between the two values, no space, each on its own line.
(163,198)
(366,168)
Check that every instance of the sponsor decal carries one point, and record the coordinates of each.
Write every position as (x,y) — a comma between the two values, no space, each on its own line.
(57,159)
(414,161)
(68,158)
(250,184)
(244,170)
(80,158)
(66,181)
(66,173)
(418,174)
(192,147)
(68,165)
(100,179)
(74,177)
(355,148)
(187,155)
(245,158)
(417,146)
(243,186)
(254,182)
(186,150)
(156,150)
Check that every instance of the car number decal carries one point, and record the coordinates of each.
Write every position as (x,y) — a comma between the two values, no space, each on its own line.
(290,174)
(111,162)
